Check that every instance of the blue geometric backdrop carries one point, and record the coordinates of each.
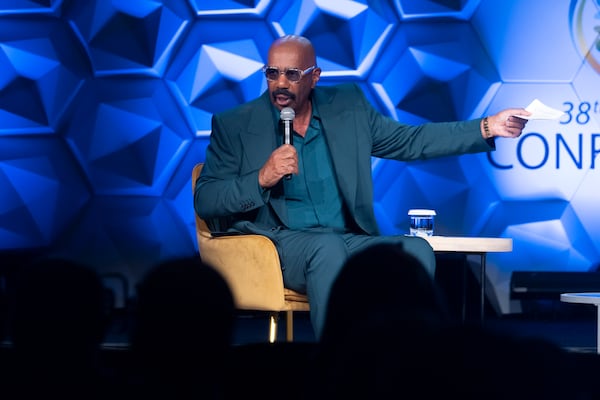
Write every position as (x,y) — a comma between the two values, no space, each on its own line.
(105,107)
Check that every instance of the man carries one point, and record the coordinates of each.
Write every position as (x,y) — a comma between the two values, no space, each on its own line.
(324,213)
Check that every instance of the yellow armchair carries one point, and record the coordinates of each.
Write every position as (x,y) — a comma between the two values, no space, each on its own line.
(250,265)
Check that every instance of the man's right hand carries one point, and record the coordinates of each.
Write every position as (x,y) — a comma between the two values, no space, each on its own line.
(283,161)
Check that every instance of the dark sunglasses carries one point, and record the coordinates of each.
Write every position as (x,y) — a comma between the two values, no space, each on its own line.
(291,74)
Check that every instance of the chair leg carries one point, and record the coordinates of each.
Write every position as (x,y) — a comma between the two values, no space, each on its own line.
(273,319)
(289,328)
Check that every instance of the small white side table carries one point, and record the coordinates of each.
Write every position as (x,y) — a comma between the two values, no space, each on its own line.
(586,298)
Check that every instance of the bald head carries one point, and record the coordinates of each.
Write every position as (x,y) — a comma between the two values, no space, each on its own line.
(295,44)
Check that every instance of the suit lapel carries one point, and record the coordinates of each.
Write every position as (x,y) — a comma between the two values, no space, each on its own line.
(259,141)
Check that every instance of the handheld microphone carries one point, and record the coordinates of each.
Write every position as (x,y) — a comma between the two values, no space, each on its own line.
(287,117)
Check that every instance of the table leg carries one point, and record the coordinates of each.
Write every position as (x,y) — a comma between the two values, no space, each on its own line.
(464,290)
(597,329)
(482,289)
(482,305)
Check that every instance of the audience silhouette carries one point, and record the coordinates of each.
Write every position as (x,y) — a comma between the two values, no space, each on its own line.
(388,334)
(383,310)
(58,319)
(183,326)
(383,284)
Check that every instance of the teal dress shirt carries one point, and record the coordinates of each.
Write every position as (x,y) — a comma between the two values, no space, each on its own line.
(312,197)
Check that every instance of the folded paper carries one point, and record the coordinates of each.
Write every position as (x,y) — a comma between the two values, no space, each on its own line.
(539,110)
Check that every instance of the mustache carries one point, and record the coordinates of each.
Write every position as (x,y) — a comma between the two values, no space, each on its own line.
(283,92)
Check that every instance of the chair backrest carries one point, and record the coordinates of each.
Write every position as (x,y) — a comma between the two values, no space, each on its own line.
(202,231)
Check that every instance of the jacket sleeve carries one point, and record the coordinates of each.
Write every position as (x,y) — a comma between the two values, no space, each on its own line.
(223,190)
(393,139)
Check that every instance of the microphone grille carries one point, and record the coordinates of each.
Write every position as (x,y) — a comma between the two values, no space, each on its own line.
(287,114)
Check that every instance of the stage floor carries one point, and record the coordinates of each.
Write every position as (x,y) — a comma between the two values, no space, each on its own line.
(573,332)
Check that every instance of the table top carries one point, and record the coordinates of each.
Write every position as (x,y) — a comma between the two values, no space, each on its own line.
(587,298)
(464,244)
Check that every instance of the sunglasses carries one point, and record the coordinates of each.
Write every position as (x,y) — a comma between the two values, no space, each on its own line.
(291,74)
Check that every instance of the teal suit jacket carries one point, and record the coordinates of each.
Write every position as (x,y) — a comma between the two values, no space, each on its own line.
(228,196)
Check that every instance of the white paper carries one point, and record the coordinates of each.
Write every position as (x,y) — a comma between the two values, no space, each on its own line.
(539,110)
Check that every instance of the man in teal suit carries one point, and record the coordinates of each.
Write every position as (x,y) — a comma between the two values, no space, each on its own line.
(324,213)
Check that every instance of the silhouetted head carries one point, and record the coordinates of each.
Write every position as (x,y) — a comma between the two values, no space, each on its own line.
(383,286)
(183,307)
(58,303)
(384,315)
